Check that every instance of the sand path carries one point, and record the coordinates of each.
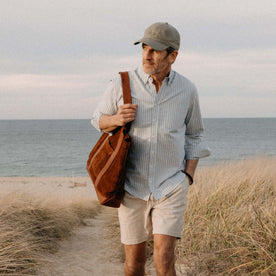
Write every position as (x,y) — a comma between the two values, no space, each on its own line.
(93,249)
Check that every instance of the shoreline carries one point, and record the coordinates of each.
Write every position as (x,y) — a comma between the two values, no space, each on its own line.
(82,186)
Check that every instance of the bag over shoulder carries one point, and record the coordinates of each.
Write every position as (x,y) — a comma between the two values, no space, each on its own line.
(107,161)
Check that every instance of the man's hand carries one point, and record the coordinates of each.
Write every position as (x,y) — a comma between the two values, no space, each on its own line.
(125,114)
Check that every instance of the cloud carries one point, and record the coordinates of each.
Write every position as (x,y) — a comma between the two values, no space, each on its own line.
(57,57)
(237,107)
(71,94)
(238,72)
(31,28)
(29,83)
(93,63)
(222,79)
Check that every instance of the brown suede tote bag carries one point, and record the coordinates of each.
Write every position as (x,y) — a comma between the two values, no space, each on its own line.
(107,161)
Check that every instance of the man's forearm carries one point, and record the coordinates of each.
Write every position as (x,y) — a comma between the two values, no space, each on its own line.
(190,167)
(125,114)
(107,123)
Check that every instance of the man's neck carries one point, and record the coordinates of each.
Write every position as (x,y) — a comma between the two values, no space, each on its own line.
(159,77)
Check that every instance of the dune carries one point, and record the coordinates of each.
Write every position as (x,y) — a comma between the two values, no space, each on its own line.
(55,226)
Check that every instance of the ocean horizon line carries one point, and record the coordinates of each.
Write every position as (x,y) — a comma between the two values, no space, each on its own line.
(79,119)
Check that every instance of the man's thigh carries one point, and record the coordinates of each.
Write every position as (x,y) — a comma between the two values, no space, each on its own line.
(168,212)
(132,220)
(139,219)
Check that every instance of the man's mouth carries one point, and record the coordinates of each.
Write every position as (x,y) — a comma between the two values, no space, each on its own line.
(148,63)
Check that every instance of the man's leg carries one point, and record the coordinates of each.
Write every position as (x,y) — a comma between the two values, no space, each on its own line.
(167,220)
(135,227)
(164,257)
(135,259)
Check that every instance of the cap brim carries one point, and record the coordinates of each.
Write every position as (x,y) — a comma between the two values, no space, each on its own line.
(152,43)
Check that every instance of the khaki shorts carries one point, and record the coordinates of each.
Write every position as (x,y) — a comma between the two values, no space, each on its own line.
(139,219)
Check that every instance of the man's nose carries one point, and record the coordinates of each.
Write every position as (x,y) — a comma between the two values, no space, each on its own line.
(147,55)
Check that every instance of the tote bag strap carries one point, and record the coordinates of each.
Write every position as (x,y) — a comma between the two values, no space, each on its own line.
(126,93)
(126,87)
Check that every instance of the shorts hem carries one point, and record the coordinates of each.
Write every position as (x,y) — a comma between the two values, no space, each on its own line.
(133,242)
(171,234)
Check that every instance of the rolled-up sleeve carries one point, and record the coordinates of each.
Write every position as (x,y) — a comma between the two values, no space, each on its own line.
(194,147)
(108,105)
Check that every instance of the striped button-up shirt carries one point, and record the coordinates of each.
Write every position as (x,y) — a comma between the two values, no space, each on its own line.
(166,131)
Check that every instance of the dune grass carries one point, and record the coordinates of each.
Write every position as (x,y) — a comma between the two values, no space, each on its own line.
(229,223)
(230,220)
(30,226)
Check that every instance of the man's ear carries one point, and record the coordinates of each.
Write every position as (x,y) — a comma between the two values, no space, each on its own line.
(173,56)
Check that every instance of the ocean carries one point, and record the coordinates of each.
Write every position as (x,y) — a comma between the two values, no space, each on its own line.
(61,147)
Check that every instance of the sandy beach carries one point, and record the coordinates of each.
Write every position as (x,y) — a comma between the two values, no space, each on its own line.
(84,253)
(93,249)
(59,186)
(229,202)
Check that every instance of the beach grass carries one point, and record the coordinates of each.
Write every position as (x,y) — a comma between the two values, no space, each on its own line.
(230,220)
(229,223)
(31,226)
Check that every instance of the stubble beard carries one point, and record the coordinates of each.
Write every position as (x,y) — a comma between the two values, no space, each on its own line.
(154,68)
(149,70)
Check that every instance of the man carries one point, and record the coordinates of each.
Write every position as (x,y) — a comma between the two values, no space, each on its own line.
(166,129)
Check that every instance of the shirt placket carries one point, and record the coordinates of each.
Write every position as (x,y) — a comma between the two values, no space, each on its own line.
(153,140)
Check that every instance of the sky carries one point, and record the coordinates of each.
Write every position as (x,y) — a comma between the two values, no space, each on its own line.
(58,56)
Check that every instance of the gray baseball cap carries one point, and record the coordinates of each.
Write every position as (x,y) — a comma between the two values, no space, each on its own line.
(161,36)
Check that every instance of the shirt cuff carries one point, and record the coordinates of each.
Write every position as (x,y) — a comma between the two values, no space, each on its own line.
(197,153)
(95,121)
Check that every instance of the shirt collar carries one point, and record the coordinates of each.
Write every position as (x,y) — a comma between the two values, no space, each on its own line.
(170,77)
(146,77)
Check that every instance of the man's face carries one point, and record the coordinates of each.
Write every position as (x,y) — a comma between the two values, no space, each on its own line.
(155,62)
